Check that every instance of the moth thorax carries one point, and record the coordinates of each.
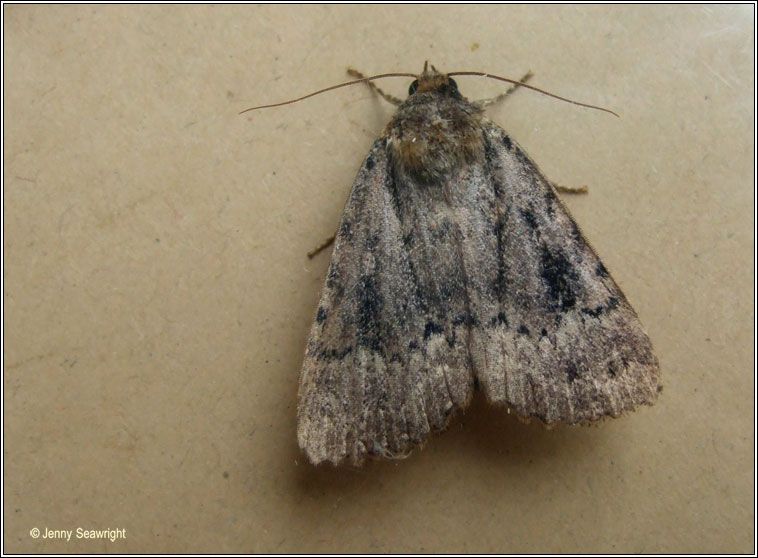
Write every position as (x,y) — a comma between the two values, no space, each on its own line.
(429,141)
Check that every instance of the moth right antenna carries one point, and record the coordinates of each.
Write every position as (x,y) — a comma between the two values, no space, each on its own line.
(514,82)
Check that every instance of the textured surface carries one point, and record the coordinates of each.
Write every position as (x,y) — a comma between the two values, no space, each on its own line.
(456,263)
(157,296)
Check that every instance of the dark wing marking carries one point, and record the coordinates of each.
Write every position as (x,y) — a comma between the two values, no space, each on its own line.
(387,360)
(558,340)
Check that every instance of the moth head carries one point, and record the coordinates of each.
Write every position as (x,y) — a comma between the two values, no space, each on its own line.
(433,80)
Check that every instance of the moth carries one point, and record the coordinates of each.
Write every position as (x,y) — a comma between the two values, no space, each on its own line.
(456,266)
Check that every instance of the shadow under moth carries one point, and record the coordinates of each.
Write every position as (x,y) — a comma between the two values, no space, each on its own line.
(457,266)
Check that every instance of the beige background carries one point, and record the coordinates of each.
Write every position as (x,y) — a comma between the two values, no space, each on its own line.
(157,295)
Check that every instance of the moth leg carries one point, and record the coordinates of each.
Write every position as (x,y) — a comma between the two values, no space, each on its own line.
(570,189)
(386,96)
(487,102)
(328,242)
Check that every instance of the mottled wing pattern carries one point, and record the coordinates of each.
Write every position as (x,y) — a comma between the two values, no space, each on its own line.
(556,338)
(387,360)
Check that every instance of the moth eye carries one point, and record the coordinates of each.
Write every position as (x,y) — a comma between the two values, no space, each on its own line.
(452,83)
(413,88)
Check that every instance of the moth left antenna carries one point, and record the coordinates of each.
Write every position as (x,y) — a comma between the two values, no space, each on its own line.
(379,76)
